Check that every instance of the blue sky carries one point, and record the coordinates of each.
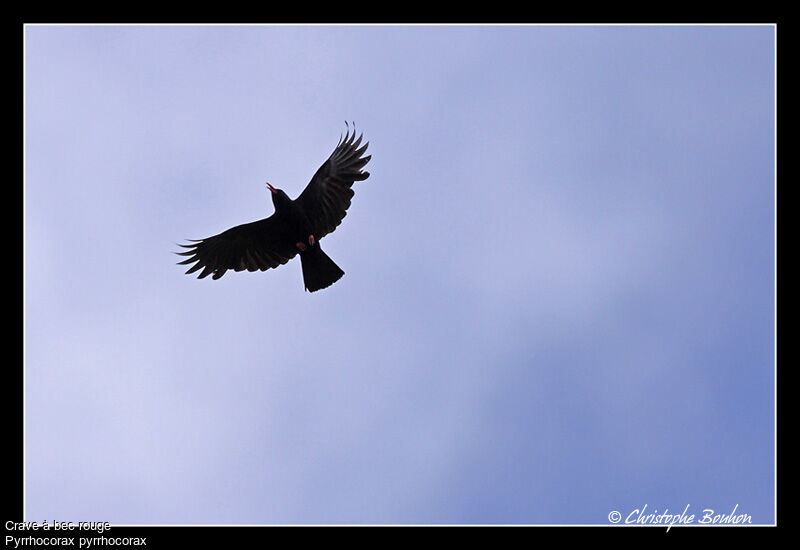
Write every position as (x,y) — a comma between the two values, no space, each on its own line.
(558,298)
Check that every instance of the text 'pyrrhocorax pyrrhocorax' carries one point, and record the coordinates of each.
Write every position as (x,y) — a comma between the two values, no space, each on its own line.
(296,227)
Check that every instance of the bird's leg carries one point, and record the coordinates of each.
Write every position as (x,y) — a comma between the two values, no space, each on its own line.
(301,246)
(311,240)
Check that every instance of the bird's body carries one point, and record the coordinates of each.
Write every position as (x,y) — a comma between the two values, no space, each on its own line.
(295,228)
(292,218)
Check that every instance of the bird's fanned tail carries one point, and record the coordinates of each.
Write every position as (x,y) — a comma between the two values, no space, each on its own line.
(319,271)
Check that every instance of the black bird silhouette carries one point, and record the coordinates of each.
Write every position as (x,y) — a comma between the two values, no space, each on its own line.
(296,227)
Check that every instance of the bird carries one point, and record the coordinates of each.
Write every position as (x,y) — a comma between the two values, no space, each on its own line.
(295,228)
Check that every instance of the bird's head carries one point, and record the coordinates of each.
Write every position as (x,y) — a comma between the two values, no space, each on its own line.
(279,198)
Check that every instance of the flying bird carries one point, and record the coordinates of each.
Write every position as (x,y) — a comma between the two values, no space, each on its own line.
(295,228)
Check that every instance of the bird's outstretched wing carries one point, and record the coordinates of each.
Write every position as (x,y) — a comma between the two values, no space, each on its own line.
(327,197)
(252,246)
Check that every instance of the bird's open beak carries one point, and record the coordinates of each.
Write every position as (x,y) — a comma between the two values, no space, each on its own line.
(272,189)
